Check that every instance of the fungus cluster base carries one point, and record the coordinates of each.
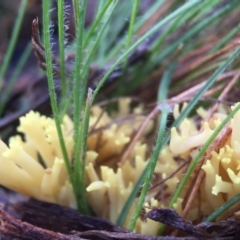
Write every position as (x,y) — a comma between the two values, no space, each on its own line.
(34,165)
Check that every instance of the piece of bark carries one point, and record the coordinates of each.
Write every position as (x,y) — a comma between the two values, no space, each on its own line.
(62,219)
(50,221)
(171,218)
(104,235)
(15,228)
(227,229)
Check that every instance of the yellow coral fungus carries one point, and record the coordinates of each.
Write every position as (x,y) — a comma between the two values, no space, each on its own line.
(34,166)
(222,169)
(22,160)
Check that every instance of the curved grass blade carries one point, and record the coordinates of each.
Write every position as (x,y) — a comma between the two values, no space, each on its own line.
(162,95)
(78,96)
(170,17)
(96,23)
(196,160)
(81,146)
(13,39)
(13,79)
(185,112)
(176,123)
(226,39)
(53,97)
(223,208)
(200,154)
(61,41)
(165,82)
(183,39)
(208,84)
(151,166)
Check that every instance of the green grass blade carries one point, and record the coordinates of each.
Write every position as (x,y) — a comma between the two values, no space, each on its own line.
(121,84)
(170,17)
(53,97)
(84,134)
(196,160)
(184,114)
(13,39)
(151,166)
(226,39)
(200,154)
(114,51)
(139,183)
(182,40)
(61,40)
(223,208)
(78,102)
(96,23)
(208,84)
(192,15)
(152,9)
(131,24)
(81,147)
(76,10)
(122,216)
(13,79)
(160,144)
(162,95)
(93,48)
(176,123)
(165,82)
